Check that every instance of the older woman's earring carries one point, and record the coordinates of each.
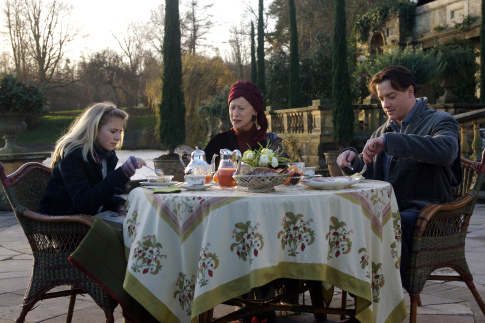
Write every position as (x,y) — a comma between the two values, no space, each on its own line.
(253,117)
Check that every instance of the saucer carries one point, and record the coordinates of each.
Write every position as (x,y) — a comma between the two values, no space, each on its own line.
(158,183)
(195,187)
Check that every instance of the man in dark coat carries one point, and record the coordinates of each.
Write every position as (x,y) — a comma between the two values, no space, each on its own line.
(417,150)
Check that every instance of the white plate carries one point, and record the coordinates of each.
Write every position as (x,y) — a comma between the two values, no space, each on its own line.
(330,183)
(157,183)
(195,187)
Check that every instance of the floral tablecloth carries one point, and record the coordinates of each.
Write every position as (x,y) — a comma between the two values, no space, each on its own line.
(189,252)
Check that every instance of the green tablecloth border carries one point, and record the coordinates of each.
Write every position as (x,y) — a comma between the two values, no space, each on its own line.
(385,218)
(259,277)
(139,292)
(216,203)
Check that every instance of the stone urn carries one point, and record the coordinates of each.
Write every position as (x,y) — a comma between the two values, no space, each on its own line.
(11,125)
(224,123)
(448,85)
(331,159)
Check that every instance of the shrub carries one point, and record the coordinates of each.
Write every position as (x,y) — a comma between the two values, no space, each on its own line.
(18,96)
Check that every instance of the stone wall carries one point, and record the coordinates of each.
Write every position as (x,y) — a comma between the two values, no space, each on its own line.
(443,14)
(435,21)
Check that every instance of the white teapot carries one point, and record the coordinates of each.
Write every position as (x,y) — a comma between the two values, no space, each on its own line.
(197,158)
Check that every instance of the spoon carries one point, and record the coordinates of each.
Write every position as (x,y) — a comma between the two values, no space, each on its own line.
(365,164)
(363,169)
(157,171)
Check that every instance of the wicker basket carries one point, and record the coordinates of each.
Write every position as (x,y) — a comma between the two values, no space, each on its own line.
(260,183)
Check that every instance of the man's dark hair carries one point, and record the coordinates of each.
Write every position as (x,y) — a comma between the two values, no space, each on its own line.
(401,78)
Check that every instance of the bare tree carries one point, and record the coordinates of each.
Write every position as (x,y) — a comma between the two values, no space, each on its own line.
(155,32)
(41,30)
(16,31)
(132,44)
(6,63)
(102,76)
(239,49)
(195,25)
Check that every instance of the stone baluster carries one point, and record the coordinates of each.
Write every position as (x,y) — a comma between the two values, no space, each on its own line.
(477,141)
(291,123)
(301,122)
(465,147)
(284,122)
(271,122)
(356,120)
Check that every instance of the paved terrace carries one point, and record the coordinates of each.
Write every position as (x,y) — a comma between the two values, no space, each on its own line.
(442,302)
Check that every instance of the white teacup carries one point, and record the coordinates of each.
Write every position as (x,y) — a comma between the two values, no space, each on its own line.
(194,180)
(309,171)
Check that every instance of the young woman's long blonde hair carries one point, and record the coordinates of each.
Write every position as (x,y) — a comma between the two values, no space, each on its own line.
(84,129)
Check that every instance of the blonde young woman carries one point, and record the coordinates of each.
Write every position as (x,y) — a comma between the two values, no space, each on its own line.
(84,179)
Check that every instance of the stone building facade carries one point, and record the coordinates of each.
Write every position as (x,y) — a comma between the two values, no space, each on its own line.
(434,21)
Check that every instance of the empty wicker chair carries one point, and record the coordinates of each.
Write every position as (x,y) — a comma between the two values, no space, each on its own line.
(52,239)
(439,240)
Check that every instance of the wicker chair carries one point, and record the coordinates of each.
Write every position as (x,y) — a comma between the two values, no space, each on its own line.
(52,239)
(439,240)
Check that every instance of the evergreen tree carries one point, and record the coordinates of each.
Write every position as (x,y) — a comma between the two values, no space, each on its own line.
(171,110)
(294,99)
(343,112)
(254,67)
(482,56)
(261,69)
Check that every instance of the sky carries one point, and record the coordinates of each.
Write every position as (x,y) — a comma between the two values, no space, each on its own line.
(99,19)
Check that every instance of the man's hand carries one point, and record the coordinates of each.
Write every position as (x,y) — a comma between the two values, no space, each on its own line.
(345,159)
(372,148)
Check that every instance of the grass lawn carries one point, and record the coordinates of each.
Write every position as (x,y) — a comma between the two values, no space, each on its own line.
(46,131)
(52,126)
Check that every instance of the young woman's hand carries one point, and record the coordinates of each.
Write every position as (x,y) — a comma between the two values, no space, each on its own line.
(132,164)
(139,162)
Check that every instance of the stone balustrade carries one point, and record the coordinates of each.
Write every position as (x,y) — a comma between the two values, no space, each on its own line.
(310,129)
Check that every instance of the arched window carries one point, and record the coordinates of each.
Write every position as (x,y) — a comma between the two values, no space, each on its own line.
(376,44)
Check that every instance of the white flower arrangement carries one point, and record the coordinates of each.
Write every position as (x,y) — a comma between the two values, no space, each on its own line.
(263,157)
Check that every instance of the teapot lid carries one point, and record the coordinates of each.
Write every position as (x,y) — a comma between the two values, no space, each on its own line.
(198,153)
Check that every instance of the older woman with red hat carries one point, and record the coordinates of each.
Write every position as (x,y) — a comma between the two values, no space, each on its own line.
(249,123)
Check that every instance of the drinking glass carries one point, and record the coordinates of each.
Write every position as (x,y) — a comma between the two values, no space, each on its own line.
(299,165)
(204,170)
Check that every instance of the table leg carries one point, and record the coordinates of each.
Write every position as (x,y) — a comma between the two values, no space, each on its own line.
(206,317)
(343,303)
(316,295)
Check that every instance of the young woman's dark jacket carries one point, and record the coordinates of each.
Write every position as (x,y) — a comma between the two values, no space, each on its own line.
(78,187)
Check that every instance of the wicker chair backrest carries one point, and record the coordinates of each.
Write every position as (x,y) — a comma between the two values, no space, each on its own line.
(26,186)
(471,183)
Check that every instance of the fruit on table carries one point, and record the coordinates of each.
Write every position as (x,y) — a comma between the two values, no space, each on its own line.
(295,178)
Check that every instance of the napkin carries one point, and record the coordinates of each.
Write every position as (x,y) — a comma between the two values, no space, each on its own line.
(164,190)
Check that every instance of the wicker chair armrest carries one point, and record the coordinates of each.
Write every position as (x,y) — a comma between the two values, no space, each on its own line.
(80,218)
(429,211)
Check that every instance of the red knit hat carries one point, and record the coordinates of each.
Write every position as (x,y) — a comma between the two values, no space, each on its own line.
(253,95)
